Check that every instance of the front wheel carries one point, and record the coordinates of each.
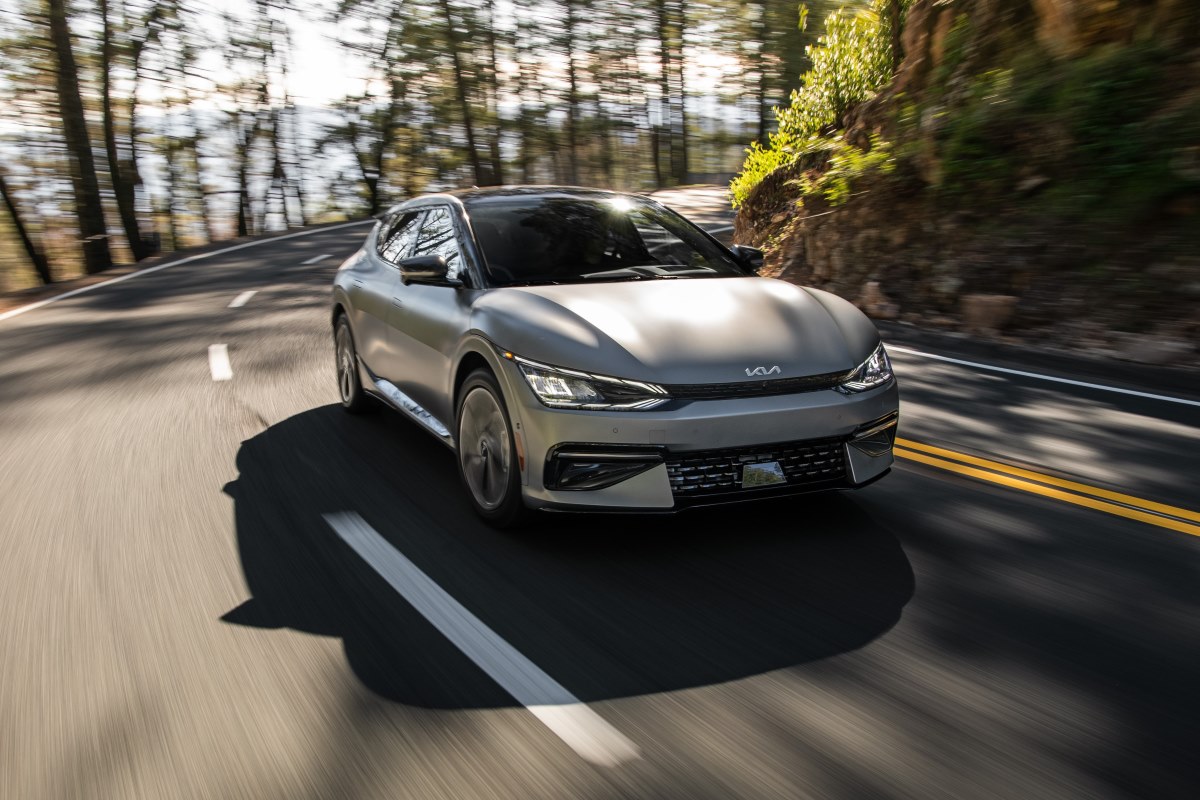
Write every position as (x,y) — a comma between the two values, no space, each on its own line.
(350,389)
(487,453)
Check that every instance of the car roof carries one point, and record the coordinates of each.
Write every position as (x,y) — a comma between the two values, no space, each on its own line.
(497,192)
(476,196)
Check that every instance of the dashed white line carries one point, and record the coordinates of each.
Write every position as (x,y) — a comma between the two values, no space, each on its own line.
(243,298)
(316,259)
(39,304)
(218,362)
(585,731)
(1039,376)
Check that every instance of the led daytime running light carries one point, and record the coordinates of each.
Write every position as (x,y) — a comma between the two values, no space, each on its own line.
(875,371)
(565,388)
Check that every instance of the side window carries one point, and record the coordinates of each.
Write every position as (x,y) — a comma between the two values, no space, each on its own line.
(397,241)
(437,239)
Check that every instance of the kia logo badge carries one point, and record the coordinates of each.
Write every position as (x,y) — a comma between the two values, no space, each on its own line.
(763,371)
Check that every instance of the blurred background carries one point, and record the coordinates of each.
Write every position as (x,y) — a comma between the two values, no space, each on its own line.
(130,126)
(909,155)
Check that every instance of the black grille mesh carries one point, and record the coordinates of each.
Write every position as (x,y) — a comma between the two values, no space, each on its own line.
(720,391)
(815,461)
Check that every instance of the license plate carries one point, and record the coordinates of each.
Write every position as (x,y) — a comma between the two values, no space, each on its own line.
(764,473)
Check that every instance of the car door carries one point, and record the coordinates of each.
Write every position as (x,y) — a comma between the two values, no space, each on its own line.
(373,288)
(427,321)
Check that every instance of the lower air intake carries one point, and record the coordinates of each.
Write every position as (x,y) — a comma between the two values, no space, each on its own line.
(806,463)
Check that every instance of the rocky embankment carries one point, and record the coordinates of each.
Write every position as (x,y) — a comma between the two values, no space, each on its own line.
(1045,180)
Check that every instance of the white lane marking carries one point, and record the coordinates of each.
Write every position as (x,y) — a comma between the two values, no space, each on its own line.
(315,260)
(1039,376)
(218,362)
(585,731)
(23,309)
(243,298)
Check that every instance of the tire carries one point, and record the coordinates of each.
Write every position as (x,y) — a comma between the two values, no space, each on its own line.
(354,399)
(487,453)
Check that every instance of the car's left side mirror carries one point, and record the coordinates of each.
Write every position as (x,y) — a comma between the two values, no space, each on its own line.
(751,257)
(426,269)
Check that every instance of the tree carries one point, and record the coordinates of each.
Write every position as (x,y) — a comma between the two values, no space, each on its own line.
(669,16)
(89,206)
(461,81)
(37,258)
(122,166)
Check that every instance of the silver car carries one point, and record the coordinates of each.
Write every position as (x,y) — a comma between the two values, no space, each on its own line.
(584,350)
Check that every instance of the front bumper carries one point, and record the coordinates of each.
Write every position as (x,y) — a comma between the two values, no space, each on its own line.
(821,440)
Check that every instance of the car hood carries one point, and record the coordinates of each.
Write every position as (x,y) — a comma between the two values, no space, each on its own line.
(681,331)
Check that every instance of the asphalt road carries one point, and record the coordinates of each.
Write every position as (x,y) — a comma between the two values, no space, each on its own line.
(179,619)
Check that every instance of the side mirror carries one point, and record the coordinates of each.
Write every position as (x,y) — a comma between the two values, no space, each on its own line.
(425,269)
(751,257)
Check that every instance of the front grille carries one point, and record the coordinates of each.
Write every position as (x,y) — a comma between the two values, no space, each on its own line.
(807,463)
(721,391)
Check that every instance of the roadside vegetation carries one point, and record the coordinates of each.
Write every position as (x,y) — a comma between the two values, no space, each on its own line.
(1043,153)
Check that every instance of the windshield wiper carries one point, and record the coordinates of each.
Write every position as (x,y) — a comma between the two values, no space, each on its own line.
(532,282)
(637,276)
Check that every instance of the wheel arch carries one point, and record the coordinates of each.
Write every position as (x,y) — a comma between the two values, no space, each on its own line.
(470,361)
(339,310)
(478,352)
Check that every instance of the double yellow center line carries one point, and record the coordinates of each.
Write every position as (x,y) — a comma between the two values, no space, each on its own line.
(1080,494)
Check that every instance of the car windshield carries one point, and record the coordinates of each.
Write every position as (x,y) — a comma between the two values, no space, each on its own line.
(532,240)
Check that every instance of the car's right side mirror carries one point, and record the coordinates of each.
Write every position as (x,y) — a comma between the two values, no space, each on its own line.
(751,257)
(425,269)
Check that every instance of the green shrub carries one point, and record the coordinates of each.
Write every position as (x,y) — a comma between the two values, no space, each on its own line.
(847,166)
(849,63)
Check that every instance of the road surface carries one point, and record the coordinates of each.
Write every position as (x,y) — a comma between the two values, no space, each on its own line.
(213,584)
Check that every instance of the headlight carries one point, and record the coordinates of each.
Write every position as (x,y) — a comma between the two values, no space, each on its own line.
(565,388)
(875,371)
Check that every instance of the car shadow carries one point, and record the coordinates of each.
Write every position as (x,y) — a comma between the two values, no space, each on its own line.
(609,606)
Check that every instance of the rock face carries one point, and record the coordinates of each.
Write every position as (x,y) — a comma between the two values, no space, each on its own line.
(966,227)
(987,313)
(876,304)
(1154,350)
(1068,28)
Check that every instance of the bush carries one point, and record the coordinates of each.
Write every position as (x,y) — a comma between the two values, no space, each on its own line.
(847,165)
(849,63)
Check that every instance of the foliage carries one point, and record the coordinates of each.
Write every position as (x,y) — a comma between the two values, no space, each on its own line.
(847,166)
(1101,131)
(850,62)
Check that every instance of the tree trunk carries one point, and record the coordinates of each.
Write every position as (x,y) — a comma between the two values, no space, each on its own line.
(460,94)
(759,28)
(526,155)
(89,206)
(297,165)
(572,98)
(36,257)
(172,176)
(895,26)
(662,25)
(122,189)
(679,131)
(201,195)
(493,91)
(278,184)
(244,145)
